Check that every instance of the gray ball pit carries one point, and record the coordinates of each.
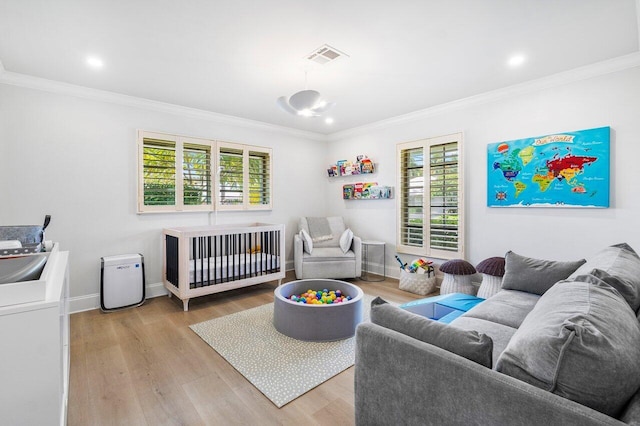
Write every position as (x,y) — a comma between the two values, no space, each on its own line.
(317,323)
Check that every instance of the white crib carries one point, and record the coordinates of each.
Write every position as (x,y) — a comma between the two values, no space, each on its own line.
(209,259)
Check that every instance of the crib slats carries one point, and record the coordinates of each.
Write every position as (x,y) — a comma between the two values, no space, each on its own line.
(229,257)
(215,260)
(246,249)
(171,259)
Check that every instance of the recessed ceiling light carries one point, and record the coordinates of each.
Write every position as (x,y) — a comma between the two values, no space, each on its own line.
(328,120)
(94,62)
(516,60)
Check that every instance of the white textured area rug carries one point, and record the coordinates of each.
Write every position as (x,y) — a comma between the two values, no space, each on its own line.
(269,360)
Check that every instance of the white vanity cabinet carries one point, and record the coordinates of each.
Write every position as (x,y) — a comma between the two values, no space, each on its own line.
(34,352)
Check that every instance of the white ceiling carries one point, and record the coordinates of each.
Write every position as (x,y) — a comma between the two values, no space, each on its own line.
(236,57)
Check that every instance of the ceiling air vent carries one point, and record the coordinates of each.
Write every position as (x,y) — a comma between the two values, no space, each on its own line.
(325,54)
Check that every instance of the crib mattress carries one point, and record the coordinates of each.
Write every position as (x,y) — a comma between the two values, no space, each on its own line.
(231,268)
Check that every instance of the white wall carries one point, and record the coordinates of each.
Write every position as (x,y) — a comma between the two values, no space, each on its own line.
(75,159)
(610,100)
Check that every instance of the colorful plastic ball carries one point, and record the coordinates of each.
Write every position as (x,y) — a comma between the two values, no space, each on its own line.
(317,297)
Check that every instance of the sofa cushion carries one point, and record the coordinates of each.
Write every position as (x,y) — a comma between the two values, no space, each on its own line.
(581,342)
(469,344)
(535,275)
(500,334)
(507,307)
(619,266)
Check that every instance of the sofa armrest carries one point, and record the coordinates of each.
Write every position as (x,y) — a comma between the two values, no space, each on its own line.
(356,246)
(401,380)
(298,253)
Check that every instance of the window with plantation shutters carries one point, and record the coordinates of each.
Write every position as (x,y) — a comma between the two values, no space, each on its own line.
(259,178)
(176,173)
(231,177)
(159,172)
(412,195)
(430,210)
(196,174)
(244,180)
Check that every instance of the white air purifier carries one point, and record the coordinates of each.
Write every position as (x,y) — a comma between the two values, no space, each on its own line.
(122,282)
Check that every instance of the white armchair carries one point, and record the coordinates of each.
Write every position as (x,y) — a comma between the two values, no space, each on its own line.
(326,258)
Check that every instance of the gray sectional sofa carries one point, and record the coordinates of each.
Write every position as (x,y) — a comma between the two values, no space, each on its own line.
(558,345)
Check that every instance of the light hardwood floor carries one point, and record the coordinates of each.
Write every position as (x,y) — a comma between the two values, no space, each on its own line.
(144,366)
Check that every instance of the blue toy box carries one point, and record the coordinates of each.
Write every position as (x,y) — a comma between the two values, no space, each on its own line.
(444,308)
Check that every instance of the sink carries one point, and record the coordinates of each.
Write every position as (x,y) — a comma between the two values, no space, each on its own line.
(20,279)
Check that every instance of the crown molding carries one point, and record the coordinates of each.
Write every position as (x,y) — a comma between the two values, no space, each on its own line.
(30,82)
(578,74)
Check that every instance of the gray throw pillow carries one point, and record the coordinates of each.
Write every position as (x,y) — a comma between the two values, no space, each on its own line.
(627,289)
(472,345)
(619,266)
(535,275)
(581,342)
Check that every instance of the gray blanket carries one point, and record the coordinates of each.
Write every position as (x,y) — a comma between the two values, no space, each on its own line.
(319,229)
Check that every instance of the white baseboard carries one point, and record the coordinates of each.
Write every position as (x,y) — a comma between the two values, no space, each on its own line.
(92,301)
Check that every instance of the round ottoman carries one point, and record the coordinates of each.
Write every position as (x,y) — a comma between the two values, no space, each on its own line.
(317,323)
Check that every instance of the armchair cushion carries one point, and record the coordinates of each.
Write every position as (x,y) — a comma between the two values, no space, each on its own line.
(328,254)
(345,240)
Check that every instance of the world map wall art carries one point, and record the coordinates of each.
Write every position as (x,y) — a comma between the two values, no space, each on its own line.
(568,169)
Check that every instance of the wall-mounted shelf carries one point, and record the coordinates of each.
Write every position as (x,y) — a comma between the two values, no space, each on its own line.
(362,166)
(366,191)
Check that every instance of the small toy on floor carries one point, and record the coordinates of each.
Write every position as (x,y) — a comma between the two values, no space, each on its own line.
(421,263)
(418,266)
